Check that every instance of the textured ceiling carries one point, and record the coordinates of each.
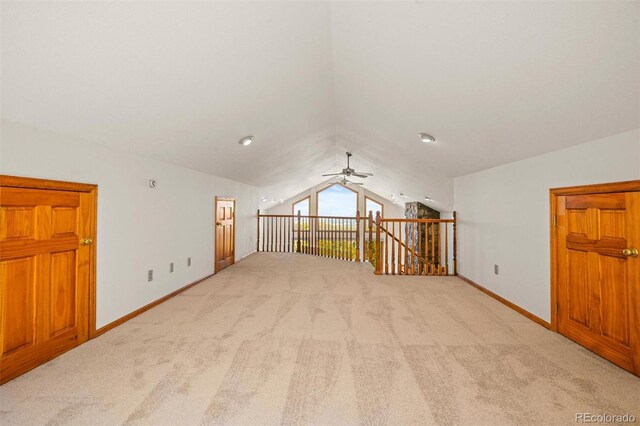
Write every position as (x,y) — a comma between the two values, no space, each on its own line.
(183,82)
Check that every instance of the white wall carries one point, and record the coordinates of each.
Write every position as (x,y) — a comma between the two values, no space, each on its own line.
(503,214)
(139,228)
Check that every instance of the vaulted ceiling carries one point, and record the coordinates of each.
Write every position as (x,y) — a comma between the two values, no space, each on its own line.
(184,81)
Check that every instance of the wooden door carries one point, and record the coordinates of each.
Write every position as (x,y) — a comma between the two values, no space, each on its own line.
(598,274)
(46,269)
(225,232)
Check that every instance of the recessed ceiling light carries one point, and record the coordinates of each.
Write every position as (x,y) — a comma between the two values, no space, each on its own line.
(393,196)
(403,195)
(426,197)
(263,199)
(426,138)
(246,140)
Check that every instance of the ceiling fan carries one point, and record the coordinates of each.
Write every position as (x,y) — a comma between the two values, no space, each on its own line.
(348,171)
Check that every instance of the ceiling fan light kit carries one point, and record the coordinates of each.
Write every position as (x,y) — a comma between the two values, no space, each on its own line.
(345,181)
(246,140)
(426,138)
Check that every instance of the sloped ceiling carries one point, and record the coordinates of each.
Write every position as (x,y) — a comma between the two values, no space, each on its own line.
(184,81)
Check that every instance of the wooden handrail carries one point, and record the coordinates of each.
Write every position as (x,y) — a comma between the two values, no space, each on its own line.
(308,216)
(420,220)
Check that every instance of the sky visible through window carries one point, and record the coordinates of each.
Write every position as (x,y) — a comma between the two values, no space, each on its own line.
(373,207)
(337,201)
(303,206)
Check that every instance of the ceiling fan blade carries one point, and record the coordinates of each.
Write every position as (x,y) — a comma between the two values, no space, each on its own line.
(361,175)
(333,174)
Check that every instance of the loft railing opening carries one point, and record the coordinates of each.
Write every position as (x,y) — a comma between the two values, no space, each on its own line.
(391,246)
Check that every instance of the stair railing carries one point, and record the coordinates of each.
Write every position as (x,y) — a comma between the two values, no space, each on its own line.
(391,246)
(414,246)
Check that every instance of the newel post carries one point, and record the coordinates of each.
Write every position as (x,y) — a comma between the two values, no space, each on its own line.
(455,244)
(378,251)
(258,239)
(298,241)
(358,236)
(368,244)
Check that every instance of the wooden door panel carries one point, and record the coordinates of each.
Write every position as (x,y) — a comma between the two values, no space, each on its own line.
(612,224)
(577,221)
(219,244)
(605,246)
(578,288)
(62,293)
(17,222)
(64,221)
(614,299)
(598,285)
(21,248)
(18,310)
(45,274)
(614,200)
(38,197)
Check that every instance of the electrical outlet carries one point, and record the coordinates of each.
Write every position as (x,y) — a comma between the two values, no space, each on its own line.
(188,261)
(171,267)
(150,275)
(495,269)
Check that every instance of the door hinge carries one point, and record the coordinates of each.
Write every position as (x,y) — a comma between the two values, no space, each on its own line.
(555,220)
(557,309)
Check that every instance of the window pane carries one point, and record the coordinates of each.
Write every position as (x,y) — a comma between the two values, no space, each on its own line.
(303,206)
(337,201)
(373,206)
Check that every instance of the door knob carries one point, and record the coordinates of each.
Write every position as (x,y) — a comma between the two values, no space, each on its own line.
(218,223)
(86,241)
(632,252)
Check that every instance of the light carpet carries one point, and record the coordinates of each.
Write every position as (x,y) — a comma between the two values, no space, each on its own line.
(292,339)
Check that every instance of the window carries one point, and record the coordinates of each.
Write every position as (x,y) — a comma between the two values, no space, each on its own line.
(372,206)
(303,206)
(337,200)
